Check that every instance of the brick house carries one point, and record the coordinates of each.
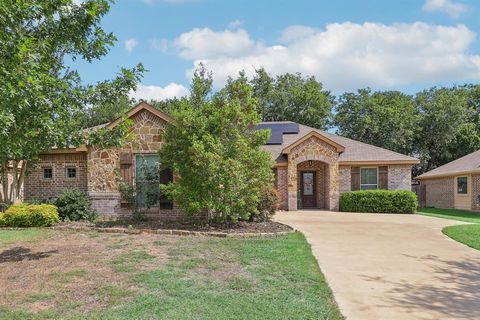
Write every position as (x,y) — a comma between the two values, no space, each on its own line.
(312,167)
(453,185)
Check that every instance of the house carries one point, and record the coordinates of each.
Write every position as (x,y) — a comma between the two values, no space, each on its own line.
(453,185)
(312,167)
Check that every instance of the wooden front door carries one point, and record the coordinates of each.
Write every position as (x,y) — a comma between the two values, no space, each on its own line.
(309,189)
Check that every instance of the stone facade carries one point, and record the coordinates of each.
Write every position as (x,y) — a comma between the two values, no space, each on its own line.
(440,192)
(399,177)
(316,150)
(37,187)
(345,178)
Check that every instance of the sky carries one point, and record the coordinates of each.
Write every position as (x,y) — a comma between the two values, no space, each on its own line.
(405,45)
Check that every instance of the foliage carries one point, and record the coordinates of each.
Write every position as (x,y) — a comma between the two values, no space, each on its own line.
(267,206)
(292,97)
(449,125)
(2,219)
(74,205)
(467,234)
(379,201)
(43,97)
(386,119)
(215,150)
(31,215)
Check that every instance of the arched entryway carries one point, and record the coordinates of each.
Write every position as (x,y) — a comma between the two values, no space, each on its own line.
(313,183)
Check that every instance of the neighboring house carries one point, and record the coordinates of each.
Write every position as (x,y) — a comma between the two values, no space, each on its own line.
(312,167)
(453,185)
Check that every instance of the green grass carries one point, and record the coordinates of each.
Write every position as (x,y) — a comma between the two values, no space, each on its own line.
(233,279)
(453,214)
(468,234)
(12,236)
(208,278)
(68,275)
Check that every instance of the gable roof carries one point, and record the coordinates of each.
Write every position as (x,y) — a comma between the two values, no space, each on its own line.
(467,164)
(317,135)
(355,152)
(138,108)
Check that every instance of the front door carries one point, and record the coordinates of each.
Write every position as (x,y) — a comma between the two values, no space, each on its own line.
(308,183)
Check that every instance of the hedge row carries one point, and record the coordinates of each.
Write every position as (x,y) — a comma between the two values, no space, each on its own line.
(379,201)
(30,215)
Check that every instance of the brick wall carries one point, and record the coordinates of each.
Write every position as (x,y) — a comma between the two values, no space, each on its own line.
(36,187)
(475,192)
(439,192)
(399,177)
(282,187)
(345,178)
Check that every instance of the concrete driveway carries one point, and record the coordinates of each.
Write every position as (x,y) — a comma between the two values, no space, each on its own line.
(392,266)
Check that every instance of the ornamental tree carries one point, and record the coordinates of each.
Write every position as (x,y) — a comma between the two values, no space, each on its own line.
(43,98)
(215,151)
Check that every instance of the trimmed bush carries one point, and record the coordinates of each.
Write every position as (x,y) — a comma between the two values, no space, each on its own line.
(379,201)
(267,206)
(31,215)
(75,205)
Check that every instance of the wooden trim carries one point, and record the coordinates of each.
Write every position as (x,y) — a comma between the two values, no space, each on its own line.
(461,199)
(66,150)
(277,165)
(317,135)
(139,107)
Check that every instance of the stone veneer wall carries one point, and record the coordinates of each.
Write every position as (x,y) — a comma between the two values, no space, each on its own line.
(38,188)
(314,149)
(439,192)
(345,178)
(400,177)
(321,176)
(475,192)
(282,187)
(104,166)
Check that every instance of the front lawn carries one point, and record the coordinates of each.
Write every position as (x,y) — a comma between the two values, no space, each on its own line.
(454,214)
(468,234)
(75,275)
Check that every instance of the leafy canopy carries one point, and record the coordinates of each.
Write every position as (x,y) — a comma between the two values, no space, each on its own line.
(43,98)
(214,149)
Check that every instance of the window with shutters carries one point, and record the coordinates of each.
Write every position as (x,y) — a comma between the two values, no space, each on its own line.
(148,178)
(368,178)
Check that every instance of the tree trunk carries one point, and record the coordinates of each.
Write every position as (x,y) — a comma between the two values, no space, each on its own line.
(11,192)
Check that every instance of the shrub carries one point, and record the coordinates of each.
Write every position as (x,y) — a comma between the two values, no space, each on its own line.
(267,206)
(379,201)
(2,220)
(31,215)
(75,205)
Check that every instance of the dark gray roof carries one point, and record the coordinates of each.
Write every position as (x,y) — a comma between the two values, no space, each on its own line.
(468,163)
(355,151)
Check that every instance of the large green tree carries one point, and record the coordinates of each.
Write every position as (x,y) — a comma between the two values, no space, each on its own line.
(387,119)
(292,97)
(43,99)
(449,124)
(214,149)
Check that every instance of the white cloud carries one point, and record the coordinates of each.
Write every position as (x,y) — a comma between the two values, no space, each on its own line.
(147,93)
(206,43)
(160,44)
(234,24)
(344,56)
(454,9)
(130,44)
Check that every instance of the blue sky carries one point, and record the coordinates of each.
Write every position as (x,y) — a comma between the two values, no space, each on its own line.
(405,45)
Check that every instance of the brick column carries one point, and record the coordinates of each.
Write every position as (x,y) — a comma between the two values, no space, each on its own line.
(292,187)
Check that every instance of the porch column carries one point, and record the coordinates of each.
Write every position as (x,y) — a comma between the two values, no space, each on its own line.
(292,186)
(334,188)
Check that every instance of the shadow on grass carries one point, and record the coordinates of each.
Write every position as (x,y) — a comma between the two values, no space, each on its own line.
(21,253)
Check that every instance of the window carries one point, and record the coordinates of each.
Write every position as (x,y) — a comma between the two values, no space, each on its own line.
(462,185)
(71,172)
(368,178)
(47,173)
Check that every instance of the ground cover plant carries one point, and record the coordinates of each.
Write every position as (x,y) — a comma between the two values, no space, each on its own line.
(454,214)
(73,275)
(468,234)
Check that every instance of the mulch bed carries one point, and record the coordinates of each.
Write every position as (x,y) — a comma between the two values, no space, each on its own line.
(242,227)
